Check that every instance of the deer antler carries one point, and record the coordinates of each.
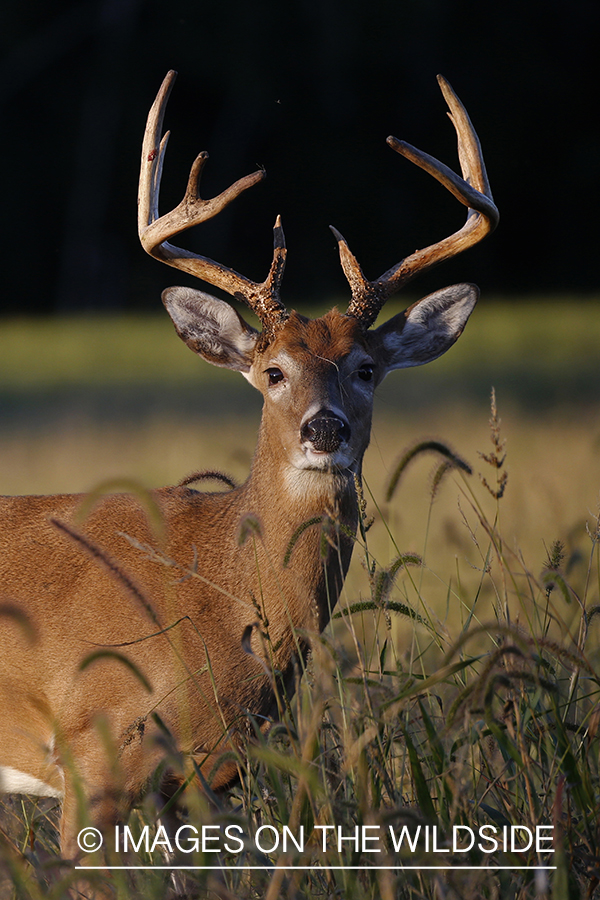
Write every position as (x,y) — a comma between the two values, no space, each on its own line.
(473,190)
(155,232)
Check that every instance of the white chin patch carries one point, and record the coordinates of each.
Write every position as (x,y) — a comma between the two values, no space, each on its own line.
(12,781)
(325,461)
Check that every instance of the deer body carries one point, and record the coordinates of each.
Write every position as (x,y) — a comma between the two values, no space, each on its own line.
(198,619)
(47,701)
(77,602)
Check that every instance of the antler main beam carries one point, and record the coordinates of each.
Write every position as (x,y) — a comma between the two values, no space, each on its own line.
(472,190)
(156,231)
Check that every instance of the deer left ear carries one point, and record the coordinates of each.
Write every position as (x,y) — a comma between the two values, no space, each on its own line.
(211,328)
(426,329)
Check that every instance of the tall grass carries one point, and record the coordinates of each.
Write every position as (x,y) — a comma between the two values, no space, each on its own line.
(450,690)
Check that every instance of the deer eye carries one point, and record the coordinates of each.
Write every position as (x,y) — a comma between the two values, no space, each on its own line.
(274,375)
(365,373)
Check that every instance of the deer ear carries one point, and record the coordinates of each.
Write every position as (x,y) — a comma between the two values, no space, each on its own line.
(211,328)
(426,329)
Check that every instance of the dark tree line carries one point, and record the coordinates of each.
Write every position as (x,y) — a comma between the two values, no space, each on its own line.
(309,89)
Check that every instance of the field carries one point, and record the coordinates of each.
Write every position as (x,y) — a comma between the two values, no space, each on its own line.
(458,685)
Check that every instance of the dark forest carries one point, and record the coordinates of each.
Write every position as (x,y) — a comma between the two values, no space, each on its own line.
(310,91)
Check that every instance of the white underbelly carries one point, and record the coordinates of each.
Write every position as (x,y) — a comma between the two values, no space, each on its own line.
(12,781)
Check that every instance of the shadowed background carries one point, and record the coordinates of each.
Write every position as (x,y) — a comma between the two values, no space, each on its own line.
(310,91)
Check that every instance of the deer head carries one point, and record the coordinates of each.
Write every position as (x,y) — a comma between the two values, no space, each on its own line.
(317,377)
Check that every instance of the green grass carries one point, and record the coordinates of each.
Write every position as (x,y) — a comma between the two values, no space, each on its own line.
(476,707)
(459,686)
(90,351)
(555,337)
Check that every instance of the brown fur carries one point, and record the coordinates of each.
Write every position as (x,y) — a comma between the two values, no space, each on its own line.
(330,337)
(115,592)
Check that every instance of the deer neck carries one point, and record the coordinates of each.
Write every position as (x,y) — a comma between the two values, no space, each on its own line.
(293,508)
(284,492)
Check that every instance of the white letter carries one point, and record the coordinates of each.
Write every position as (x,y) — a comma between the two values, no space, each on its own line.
(324,830)
(127,835)
(162,838)
(287,833)
(275,845)
(456,828)
(192,841)
(543,837)
(234,838)
(513,830)
(209,837)
(435,848)
(370,837)
(349,838)
(491,840)
(405,833)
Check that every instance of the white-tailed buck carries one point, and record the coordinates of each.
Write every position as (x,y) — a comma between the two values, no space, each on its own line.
(185,619)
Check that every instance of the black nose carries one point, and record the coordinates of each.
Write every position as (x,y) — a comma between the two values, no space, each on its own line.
(325,431)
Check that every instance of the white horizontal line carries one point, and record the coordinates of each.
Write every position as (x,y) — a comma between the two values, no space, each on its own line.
(360,868)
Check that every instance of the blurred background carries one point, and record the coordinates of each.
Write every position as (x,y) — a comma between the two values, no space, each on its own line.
(93,382)
(309,90)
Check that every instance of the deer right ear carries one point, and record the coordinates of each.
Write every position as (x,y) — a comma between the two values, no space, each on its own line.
(212,328)
(426,329)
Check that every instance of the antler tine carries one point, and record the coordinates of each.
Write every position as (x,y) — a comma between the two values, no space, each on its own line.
(472,190)
(155,232)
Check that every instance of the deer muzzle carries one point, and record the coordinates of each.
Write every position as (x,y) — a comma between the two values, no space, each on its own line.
(326,431)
